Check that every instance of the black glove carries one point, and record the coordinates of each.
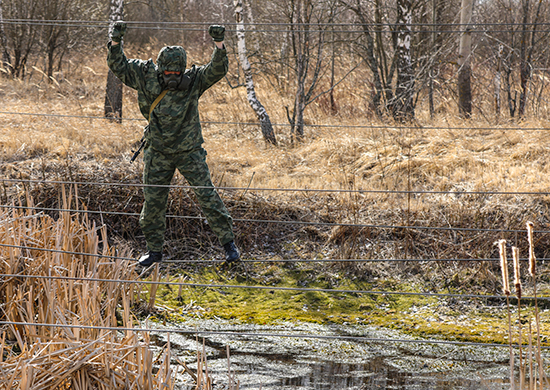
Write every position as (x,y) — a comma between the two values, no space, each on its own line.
(217,33)
(119,28)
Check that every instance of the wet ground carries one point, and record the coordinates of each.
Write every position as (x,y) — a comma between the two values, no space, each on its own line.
(279,363)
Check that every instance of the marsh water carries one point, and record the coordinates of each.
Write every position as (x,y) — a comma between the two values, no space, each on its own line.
(273,362)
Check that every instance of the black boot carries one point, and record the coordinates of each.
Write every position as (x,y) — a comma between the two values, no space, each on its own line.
(150,258)
(232,254)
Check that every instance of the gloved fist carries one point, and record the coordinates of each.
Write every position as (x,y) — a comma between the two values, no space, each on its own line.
(119,29)
(217,33)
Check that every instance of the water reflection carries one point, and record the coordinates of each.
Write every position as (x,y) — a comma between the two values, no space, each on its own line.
(270,362)
(376,374)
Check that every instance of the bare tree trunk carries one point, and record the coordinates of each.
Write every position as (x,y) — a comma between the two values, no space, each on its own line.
(23,37)
(308,65)
(113,93)
(512,101)
(524,65)
(434,51)
(464,61)
(300,99)
(404,88)
(333,107)
(386,73)
(498,81)
(371,59)
(6,60)
(526,53)
(51,46)
(282,80)
(261,112)
(300,37)
(252,27)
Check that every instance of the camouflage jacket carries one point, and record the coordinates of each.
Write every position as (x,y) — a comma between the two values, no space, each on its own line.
(174,126)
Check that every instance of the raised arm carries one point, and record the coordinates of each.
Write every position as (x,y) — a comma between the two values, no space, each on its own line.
(130,72)
(218,66)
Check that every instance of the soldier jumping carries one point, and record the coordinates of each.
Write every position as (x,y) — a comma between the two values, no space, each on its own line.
(168,96)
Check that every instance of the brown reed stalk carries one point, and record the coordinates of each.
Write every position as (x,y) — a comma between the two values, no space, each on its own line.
(2,346)
(533,274)
(180,289)
(506,291)
(186,369)
(78,358)
(517,285)
(203,380)
(154,287)
(530,354)
(208,380)
(504,267)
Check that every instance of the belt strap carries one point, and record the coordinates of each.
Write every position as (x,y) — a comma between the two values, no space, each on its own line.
(156,102)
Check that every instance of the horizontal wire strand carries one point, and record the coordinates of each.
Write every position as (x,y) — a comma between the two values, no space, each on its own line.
(202,261)
(299,223)
(330,24)
(254,334)
(297,27)
(260,189)
(258,261)
(269,288)
(369,127)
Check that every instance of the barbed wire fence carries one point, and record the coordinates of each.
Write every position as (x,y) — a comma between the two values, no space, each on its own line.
(131,261)
(477,27)
(193,332)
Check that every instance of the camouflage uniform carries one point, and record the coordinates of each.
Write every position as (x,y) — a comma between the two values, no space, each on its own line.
(174,139)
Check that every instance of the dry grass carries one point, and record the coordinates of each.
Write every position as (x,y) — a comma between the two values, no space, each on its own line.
(443,154)
(83,356)
(434,155)
(68,291)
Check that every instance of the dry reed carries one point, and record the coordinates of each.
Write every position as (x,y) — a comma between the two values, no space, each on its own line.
(233,383)
(506,291)
(84,356)
(517,284)
(533,274)
(533,355)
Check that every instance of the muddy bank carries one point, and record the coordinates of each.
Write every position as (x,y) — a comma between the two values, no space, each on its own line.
(278,363)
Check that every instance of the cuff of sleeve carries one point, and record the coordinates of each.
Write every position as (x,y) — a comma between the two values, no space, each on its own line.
(220,53)
(113,47)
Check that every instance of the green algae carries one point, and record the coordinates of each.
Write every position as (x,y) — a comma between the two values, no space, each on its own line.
(416,315)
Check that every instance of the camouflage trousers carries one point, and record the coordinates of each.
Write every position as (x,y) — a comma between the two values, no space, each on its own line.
(159,170)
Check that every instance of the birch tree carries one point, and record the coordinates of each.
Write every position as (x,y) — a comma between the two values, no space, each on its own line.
(404,88)
(386,65)
(259,109)
(113,93)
